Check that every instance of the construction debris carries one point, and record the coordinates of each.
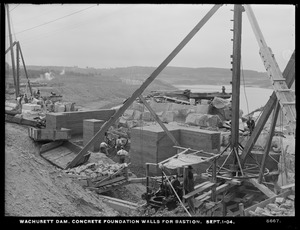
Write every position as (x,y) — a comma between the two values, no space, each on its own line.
(98,169)
(281,207)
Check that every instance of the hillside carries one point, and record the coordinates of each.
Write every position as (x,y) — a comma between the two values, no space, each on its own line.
(103,88)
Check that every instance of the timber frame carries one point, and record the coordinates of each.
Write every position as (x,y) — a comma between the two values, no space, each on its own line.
(281,83)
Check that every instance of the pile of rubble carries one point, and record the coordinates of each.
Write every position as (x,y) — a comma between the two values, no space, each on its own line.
(280,207)
(98,169)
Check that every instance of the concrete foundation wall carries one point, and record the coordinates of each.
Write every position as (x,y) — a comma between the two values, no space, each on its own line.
(90,128)
(74,120)
(151,144)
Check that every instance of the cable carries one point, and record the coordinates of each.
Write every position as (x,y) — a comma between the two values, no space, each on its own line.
(244,86)
(76,12)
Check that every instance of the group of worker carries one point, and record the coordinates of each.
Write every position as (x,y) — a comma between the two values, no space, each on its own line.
(120,149)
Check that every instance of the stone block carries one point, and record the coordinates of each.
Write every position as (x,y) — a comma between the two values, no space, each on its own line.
(31,107)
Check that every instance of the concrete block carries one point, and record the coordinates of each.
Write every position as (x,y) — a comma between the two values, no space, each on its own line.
(74,120)
(168,116)
(138,106)
(147,116)
(202,109)
(128,114)
(90,128)
(137,115)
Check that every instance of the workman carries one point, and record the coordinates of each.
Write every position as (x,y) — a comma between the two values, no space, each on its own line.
(25,98)
(119,143)
(176,185)
(122,154)
(223,89)
(189,186)
(19,102)
(103,148)
(251,125)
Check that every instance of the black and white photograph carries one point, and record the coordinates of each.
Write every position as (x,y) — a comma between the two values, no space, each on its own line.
(149,113)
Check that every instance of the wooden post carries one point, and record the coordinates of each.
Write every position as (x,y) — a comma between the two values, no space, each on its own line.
(184,175)
(147,178)
(141,89)
(241,209)
(214,180)
(18,66)
(289,75)
(236,73)
(12,51)
(268,144)
(159,121)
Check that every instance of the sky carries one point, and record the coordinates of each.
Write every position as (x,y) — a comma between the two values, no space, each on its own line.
(122,35)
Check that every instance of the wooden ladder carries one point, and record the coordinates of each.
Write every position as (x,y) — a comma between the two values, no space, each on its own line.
(285,96)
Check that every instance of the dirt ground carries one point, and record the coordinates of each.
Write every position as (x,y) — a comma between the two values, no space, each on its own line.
(34,187)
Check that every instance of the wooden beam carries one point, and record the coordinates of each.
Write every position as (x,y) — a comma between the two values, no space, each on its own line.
(12,51)
(289,75)
(9,48)
(18,66)
(170,135)
(140,90)
(236,73)
(23,61)
(262,188)
(269,142)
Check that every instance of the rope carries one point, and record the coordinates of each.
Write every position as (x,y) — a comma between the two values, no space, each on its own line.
(176,194)
(244,86)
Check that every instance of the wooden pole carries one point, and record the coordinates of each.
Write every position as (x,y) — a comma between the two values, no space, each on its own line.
(236,73)
(268,144)
(140,90)
(236,76)
(9,48)
(159,121)
(12,51)
(18,66)
(289,75)
(23,61)
(214,180)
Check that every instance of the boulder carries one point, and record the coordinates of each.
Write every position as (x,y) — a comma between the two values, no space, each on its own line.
(203,120)
(168,116)
(137,115)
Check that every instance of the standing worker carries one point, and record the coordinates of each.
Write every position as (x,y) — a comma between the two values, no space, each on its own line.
(122,154)
(103,148)
(251,125)
(189,187)
(25,99)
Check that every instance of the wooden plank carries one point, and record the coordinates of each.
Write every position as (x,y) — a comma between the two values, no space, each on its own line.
(146,83)
(114,180)
(219,189)
(49,146)
(262,188)
(228,179)
(268,201)
(199,189)
(288,186)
